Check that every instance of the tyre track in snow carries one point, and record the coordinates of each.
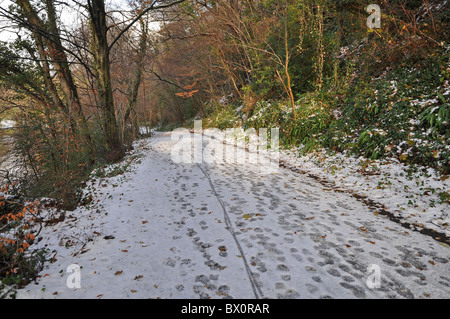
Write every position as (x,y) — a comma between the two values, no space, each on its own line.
(256,289)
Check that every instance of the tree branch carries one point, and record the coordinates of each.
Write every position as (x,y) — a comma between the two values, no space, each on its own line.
(150,8)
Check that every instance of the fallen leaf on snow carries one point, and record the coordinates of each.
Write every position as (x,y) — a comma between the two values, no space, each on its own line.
(445,245)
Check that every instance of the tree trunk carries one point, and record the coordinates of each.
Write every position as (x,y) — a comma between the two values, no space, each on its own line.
(102,72)
(133,88)
(66,78)
(320,47)
(59,61)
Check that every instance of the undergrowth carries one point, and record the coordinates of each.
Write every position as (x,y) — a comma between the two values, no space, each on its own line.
(403,113)
(20,224)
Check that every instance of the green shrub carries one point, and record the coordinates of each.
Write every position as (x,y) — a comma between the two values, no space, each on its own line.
(222,118)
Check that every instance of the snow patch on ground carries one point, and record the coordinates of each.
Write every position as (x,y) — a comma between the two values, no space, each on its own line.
(7,124)
(415,198)
(156,229)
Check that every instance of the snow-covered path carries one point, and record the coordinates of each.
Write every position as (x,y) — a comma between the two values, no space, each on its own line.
(169,230)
